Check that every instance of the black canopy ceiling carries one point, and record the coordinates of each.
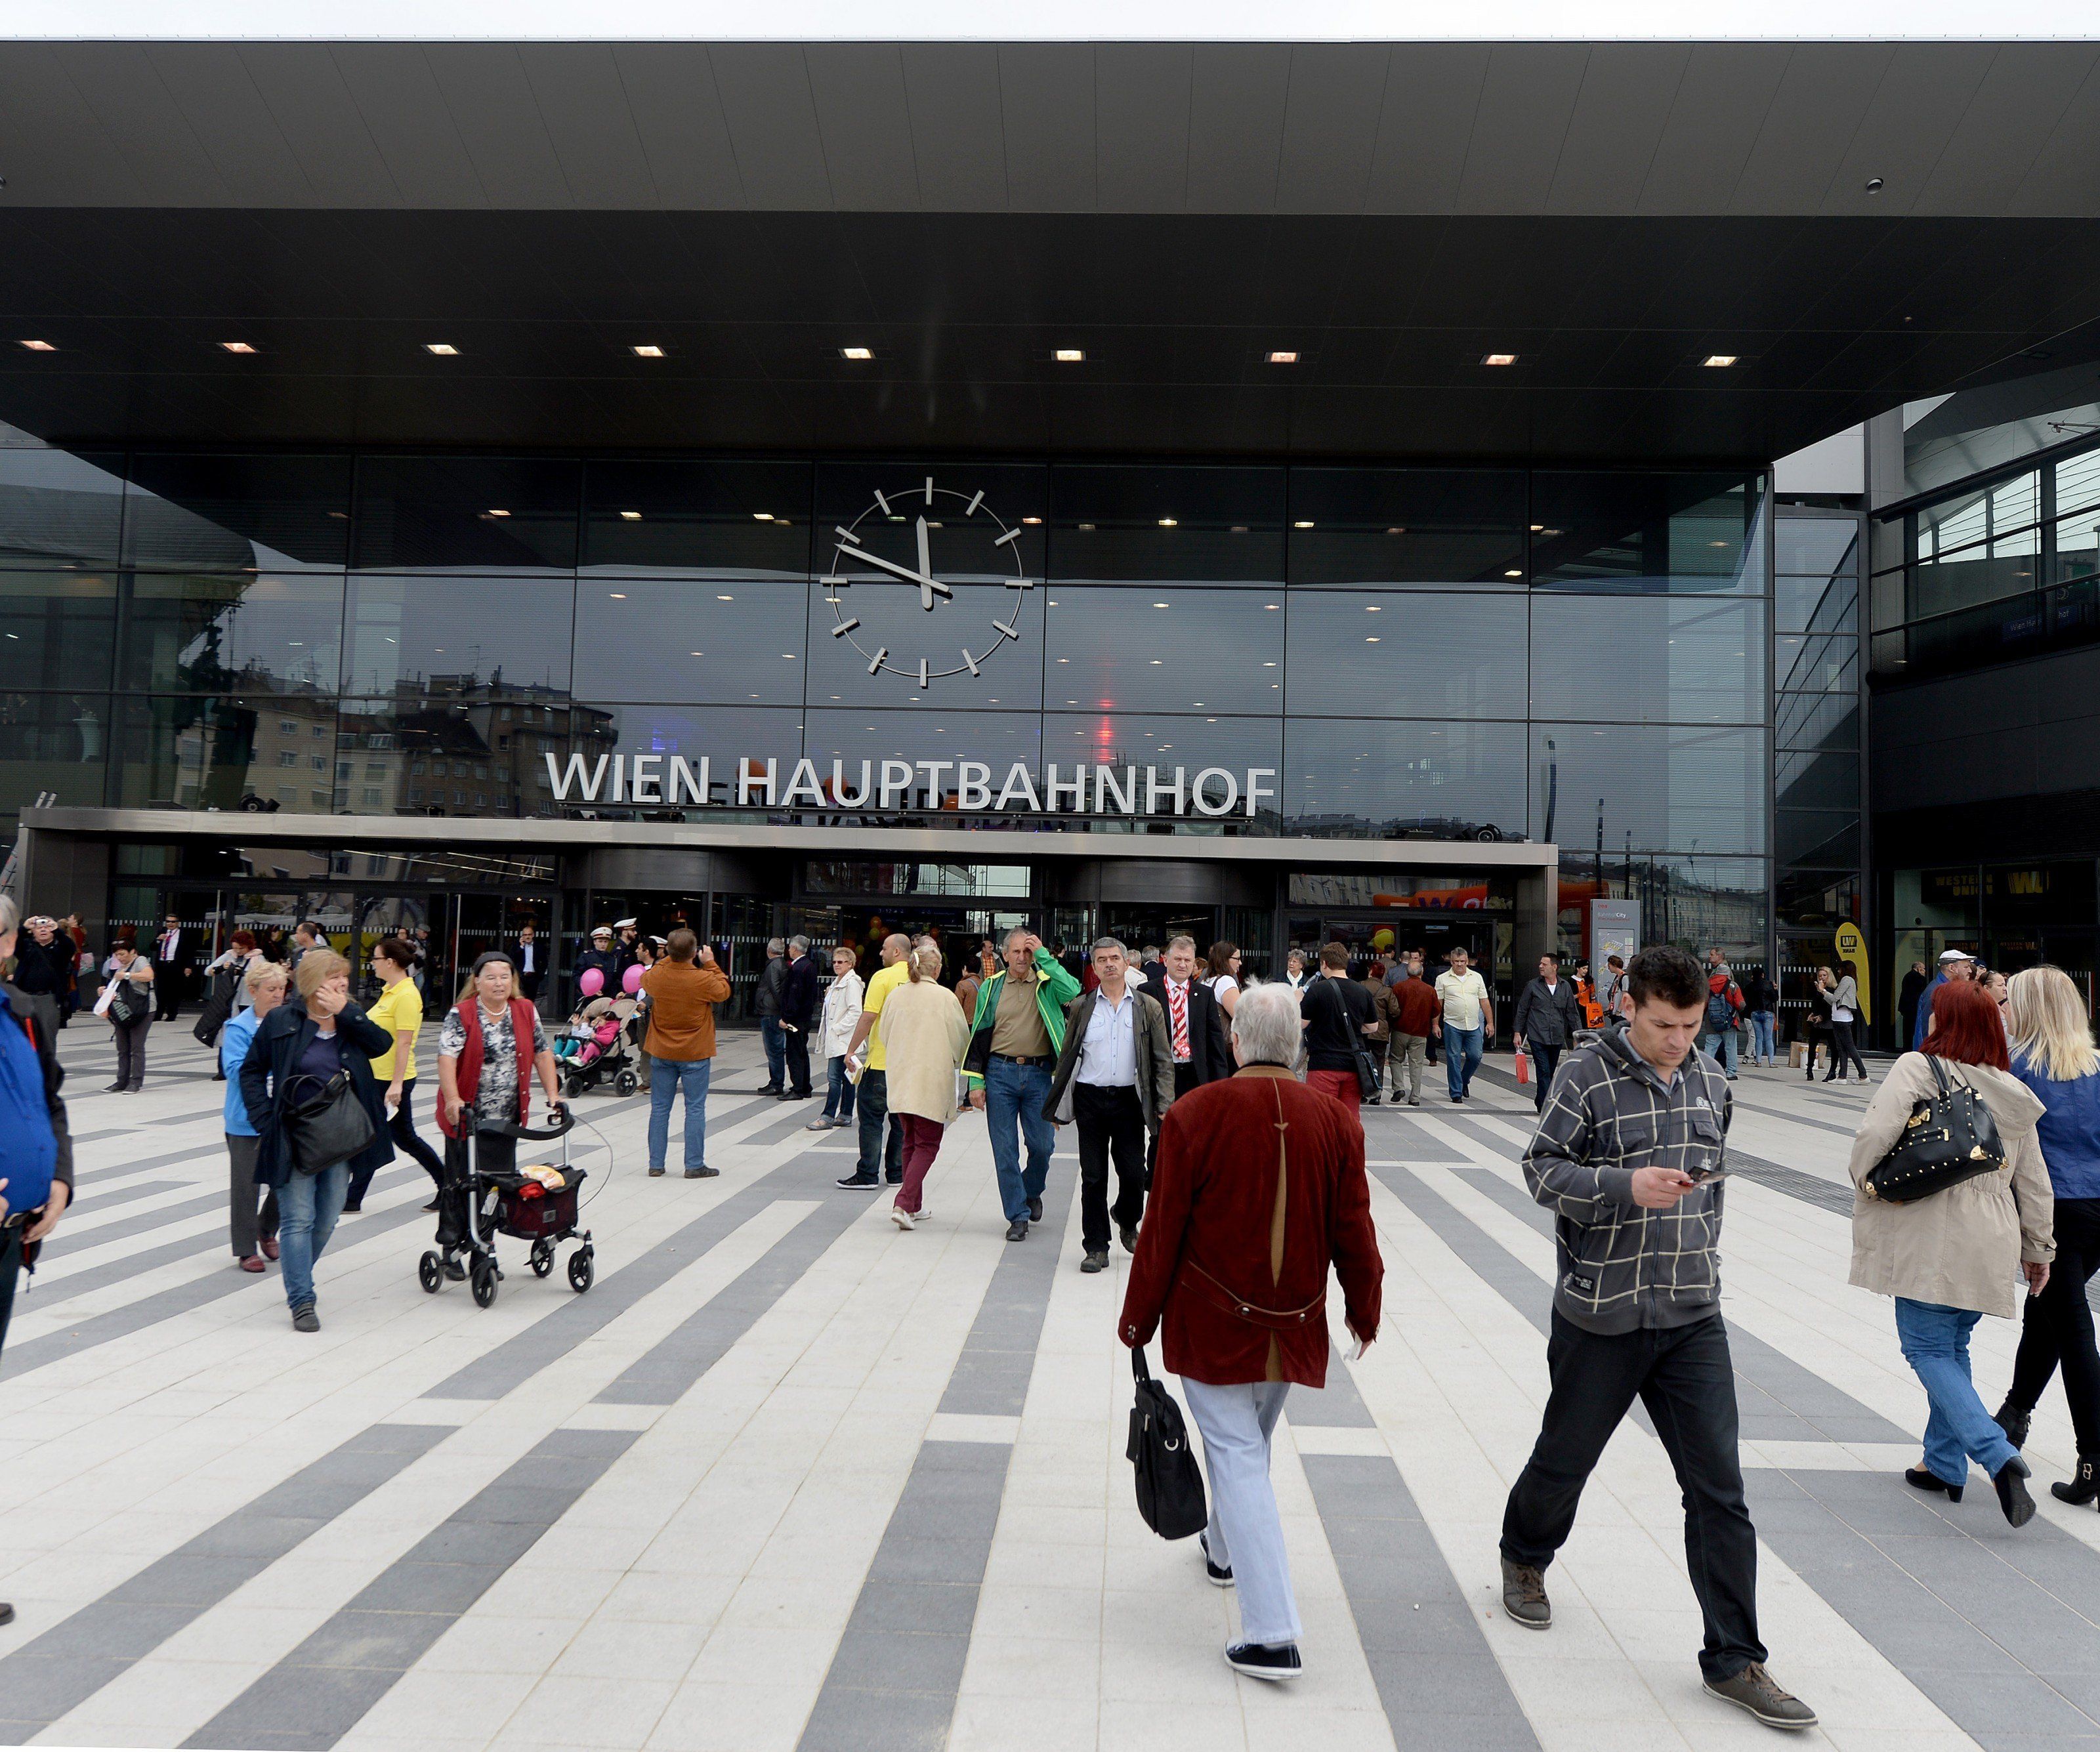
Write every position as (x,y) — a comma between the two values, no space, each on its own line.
(1611,214)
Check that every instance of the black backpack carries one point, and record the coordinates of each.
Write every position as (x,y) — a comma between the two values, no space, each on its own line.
(1170,1487)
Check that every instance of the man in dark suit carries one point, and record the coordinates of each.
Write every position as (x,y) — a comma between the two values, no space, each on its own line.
(174,951)
(800,997)
(1195,1024)
(528,956)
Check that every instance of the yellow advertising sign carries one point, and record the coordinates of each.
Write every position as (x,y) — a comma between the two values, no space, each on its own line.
(1852,947)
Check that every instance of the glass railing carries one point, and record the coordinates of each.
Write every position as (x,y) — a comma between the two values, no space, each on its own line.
(2060,617)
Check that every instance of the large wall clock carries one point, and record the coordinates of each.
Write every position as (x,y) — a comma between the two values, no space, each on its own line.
(896,570)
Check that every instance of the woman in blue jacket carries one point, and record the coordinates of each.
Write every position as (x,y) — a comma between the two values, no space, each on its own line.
(324,1033)
(2053,1054)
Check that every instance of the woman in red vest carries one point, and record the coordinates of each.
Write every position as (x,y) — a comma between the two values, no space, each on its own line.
(490,1045)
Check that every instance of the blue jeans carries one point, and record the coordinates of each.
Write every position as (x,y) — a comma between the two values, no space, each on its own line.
(667,1076)
(1016,1093)
(307,1207)
(1462,1056)
(878,1156)
(839,1097)
(776,1051)
(1761,1035)
(1935,1344)
(1720,1044)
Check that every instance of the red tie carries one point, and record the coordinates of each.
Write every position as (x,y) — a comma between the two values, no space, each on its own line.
(1177,1012)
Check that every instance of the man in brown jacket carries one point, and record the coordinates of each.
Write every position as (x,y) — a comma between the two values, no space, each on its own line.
(1420,1015)
(682,993)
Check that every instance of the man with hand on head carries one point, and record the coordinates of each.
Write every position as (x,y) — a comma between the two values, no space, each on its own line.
(1015,1041)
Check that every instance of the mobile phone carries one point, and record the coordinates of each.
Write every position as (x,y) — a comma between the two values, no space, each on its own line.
(1707,1176)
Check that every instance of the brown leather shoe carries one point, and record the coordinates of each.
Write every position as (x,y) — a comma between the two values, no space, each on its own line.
(1524,1596)
(1757,1691)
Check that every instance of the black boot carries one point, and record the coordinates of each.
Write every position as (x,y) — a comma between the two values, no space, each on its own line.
(2083,1488)
(2013,1497)
(2013,1422)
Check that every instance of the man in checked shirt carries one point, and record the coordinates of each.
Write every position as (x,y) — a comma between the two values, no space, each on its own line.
(1628,1156)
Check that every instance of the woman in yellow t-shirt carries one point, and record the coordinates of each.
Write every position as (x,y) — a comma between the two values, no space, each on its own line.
(399,1010)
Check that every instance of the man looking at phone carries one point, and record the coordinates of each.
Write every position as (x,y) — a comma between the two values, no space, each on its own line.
(1628,1156)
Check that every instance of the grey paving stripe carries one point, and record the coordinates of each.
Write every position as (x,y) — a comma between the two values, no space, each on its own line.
(1386,1133)
(321,1690)
(1337,1405)
(61,1669)
(1440,1681)
(1794,1118)
(662,1374)
(121,1195)
(893,1681)
(577,1317)
(795,1117)
(173,1159)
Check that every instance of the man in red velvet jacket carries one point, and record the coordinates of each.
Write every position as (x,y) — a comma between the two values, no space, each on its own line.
(1259,1186)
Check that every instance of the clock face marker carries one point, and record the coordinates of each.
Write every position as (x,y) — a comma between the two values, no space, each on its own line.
(845,533)
(885,504)
(970,662)
(922,675)
(930,489)
(1012,633)
(876,662)
(971,508)
(1011,535)
(843,628)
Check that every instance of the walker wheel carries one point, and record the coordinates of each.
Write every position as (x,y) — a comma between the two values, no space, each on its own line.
(430,1273)
(572,1086)
(626,1082)
(483,1282)
(543,1258)
(581,1271)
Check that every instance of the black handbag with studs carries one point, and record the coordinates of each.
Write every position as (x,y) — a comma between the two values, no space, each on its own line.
(1950,1137)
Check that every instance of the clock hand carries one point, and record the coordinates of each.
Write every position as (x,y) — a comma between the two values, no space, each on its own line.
(925,568)
(925,583)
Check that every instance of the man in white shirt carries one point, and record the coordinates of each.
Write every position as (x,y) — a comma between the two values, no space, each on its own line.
(530,960)
(1115,1078)
(1469,1018)
(171,968)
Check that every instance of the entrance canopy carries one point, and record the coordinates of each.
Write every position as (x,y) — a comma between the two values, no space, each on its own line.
(1679,252)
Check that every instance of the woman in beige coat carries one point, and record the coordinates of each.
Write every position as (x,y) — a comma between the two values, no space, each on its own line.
(1951,1258)
(924,1034)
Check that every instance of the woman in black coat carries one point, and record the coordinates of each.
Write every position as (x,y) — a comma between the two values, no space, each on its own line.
(325,1032)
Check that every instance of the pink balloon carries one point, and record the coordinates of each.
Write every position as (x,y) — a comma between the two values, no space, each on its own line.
(630,982)
(591,982)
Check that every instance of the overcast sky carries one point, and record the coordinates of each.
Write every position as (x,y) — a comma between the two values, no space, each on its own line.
(949,20)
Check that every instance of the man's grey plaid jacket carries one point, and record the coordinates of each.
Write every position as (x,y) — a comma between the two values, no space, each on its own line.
(1609,1112)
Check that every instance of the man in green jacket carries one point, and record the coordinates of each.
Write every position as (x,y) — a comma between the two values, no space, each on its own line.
(1015,1039)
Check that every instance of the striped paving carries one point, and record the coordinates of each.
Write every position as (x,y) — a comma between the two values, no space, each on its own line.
(789,1478)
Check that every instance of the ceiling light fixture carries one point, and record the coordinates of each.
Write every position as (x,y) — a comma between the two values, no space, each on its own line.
(1513,573)
(40,346)
(236,347)
(1070,356)
(763,516)
(1031,520)
(648,351)
(1169,522)
(618,596)
(857,354)
(497,511)
(1718,361)
(1304,523)
(630,517)
(443,348)
(1497,358)
(1283,359)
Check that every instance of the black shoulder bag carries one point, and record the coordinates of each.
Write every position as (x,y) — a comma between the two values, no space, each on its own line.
(1950,1137)
(325,1122)
(1170,1487)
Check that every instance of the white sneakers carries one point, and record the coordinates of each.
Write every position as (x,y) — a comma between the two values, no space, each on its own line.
(904,1218)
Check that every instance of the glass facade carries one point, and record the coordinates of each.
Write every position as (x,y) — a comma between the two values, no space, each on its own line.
(1488,654)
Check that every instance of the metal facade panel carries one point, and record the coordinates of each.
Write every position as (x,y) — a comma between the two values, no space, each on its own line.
(123,85)
(58,152)
(1904,134)
(957,127)
(863,118)
(1141,118)
(1047,105)
(2062,178)
(403,107)
(1525,105)
(1616,126)
(583,106)
(492,106)
(1814,115)
(1425,123)
(678,118)
(1330,131)
(772,115)
(337,158)
(1714,120)
(1236,111)
(211,84)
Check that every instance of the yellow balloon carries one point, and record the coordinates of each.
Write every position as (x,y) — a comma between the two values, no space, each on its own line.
(1381,939)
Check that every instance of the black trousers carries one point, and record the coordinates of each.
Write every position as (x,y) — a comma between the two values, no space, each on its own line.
(2058,1326)
(401,1127)
(11,1268)
(1840,1050)
(797,1044)
(1684,1378)
(1543,1059)
(1110,1122)
(1185,1079)
(168,982)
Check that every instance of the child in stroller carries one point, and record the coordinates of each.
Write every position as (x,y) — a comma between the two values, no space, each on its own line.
(596,1047)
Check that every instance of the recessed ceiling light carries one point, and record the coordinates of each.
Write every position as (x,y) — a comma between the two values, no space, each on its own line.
(1719,358)
(1370,638)
(1397,529)
(856,353)
(1306,524)
(497,511)
(725,598)
(40,346)
(443,348)
(1169,522)
(763,516)
(1373,608)
(1536,528)
(236,347)
(1497,358)
(1088,527)
(630,517)
(1513,573)
(1271,606)
(618,596)
(648,350)
(1283,359)
(1031,520)
(1071,355)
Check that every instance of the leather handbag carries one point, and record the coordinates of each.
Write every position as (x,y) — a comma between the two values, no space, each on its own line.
(1950,1137)
(327,1123)
(1170,1487)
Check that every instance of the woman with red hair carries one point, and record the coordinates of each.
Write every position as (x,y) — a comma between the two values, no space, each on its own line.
(1952,1257)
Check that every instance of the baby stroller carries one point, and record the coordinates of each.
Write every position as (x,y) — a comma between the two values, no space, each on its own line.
(596,1047)
(482,1204)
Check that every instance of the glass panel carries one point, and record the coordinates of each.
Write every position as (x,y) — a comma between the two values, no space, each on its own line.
(2078,542)
(1683,787)
(718,640)
(1162,648)
(58,743)
(56,629)
(1820,545)
(1806,779)
(57,510)
(1237,746)
(2078,483)
(1657,659)
(876,509)
(850,877)
(998,740)
(1466,891)
(1818,836)
(2015,503)
(1650,532)
(1414,653)
(1700,902)
(1813,665)
(234,752)
(669,742)
(1819,605)
(1409,779)
(465,514)
(715,519)
(1955,522)
(886,619)
(246,632)
(1201,525)
(2023,895)
(412,756)
(1809,898)
(1817,721)
(1406,526)
(445,635)
(227,513)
